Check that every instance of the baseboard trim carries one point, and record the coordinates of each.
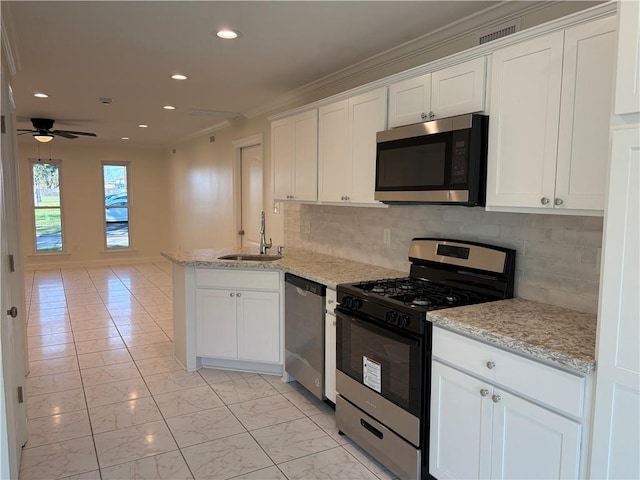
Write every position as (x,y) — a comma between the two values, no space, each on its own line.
(92,263)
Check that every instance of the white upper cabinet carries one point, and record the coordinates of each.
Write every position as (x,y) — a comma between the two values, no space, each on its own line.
(347,147)
(451,91)
(628,69)
(294,153)
(550,107)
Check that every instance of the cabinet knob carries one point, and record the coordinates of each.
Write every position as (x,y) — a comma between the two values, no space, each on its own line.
(491,365)
(544,201)
(558,201)
(346,198)
(238,295)
(423,116)
(232,294)
(484,392)
(12,312)
(496,398)
(432,115)
(330,302)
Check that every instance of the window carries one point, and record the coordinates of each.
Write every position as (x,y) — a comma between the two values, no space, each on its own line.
(47,208)
(116,205)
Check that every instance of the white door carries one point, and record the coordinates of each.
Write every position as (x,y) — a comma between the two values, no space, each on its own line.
(13,356)
(334,161)
(216,331)
(251,198)
(459,89)
(410,101)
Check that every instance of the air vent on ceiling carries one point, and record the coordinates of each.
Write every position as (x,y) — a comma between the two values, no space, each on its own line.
(499,31)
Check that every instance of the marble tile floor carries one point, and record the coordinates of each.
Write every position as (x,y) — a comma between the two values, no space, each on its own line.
(107,400)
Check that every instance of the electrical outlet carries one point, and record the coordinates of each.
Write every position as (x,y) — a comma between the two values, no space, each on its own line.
(386,237)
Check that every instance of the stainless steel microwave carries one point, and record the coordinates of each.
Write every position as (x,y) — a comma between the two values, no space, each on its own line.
(442,162)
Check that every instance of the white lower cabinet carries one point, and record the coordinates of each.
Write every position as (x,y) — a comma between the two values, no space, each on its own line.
(482,430)
(238,324)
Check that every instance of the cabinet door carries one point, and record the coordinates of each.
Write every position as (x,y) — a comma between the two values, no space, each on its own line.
(523,136)
(459,89)
(628,66)
(367,116)
(460,431)
(532,442)
(216,333)
(259,326)
(305,156)
(585,111)
(282,158)
(410,101)
(330,357)
(334,161)
(616,438)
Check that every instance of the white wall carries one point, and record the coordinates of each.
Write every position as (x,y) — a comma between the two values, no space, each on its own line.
(83,203)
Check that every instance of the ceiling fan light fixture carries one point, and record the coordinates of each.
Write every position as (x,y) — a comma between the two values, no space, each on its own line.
(40,95)
(43,137)
(179,76)
(169,107)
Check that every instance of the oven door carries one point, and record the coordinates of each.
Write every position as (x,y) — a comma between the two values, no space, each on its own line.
(387,362)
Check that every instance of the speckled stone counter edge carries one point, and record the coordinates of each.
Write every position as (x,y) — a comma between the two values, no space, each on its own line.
(572,349)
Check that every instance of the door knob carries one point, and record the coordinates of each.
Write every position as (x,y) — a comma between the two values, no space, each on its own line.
(496,398)
(558,201)
(491,365)
(12,312)
(238,294)
(232,294)
(484,392)
(544,201)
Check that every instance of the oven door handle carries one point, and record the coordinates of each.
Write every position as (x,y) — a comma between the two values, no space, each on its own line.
(371,428)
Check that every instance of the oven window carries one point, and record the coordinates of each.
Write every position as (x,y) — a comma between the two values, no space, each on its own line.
(412,166)
(384,361)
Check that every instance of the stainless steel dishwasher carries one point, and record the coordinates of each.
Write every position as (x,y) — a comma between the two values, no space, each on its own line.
(304,332)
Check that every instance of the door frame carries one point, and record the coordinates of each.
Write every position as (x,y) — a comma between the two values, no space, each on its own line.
(238,145)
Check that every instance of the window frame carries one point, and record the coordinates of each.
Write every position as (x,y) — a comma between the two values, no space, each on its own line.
(34,207)
(127,166)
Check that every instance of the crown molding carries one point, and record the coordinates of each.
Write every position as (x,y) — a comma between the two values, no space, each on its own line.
(395,58)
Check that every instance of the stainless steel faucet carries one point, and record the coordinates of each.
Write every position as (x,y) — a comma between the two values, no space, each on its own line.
(263,241)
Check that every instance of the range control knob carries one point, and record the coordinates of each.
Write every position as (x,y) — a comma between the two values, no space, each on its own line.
(391,317)
(404,320)
(356,304)
(347,302)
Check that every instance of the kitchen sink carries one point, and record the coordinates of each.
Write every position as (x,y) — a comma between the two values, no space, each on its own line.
(250,257)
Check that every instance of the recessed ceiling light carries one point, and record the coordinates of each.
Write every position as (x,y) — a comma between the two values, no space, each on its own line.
(179,76)
(124,138)
(169,107)
(40,95)
(228,34)
(142,125)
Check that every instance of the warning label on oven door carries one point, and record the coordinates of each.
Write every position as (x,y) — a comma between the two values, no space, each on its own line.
(372,374)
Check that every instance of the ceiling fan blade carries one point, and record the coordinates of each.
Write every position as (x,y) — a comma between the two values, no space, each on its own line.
(62,133)
(72,132)
(25,130)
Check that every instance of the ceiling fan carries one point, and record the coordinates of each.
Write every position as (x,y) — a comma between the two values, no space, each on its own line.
(42,131)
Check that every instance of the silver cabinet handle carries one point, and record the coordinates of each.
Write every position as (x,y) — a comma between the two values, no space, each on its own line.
(544,201)
(238,295)
(558,201)
(491,365)
(484,392)
(496,398)
(232,294)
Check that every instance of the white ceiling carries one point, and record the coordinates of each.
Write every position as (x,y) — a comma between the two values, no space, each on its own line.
(80,51)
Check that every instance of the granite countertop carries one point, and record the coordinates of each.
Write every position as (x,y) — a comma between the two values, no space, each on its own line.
(555,335)
(321,268)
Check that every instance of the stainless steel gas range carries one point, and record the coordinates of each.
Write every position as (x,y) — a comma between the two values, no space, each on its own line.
(383,344)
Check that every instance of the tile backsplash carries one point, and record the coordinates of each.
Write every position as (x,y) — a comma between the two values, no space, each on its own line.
(558,256)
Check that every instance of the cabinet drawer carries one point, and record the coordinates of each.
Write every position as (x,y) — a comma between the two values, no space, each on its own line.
(331,301)
(545,384)
(236,278)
